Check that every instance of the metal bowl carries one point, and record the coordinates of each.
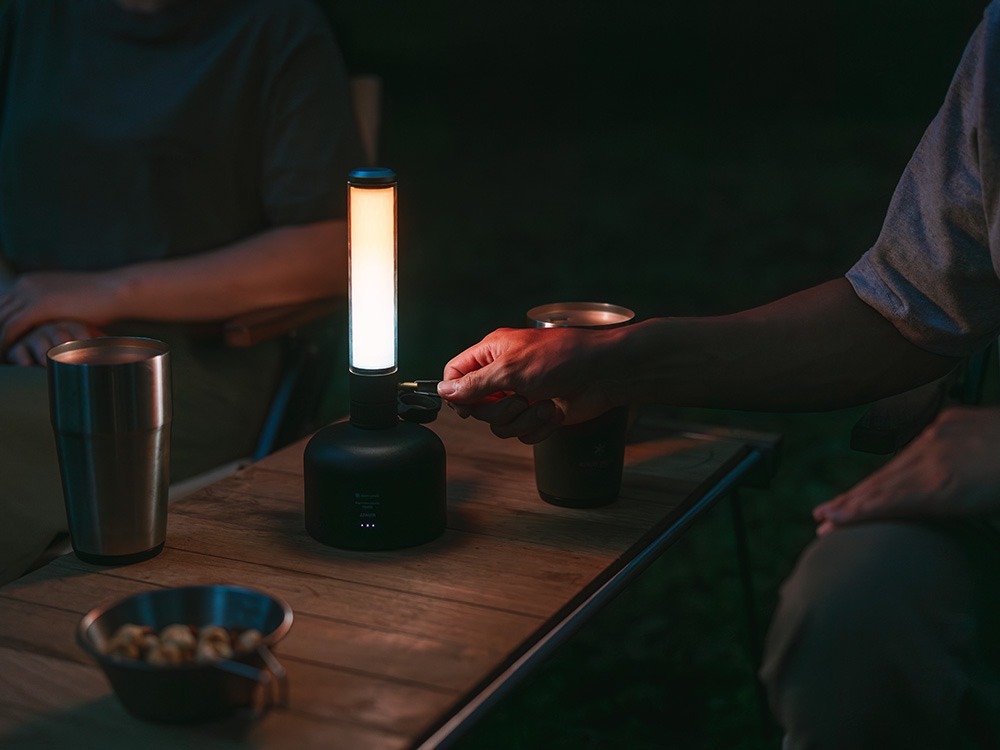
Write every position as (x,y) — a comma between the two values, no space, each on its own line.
(193,691)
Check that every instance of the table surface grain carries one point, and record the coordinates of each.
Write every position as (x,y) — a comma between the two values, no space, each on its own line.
(386,647)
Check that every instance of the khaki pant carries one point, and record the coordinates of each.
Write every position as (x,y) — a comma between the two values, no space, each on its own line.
(887,635)
(220,397)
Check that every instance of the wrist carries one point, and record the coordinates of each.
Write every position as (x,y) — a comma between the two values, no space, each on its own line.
(648,361)
(615,364)
(121,288)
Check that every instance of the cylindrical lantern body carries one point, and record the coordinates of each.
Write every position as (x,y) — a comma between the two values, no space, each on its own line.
(375,489)
(374,483)
(371,220)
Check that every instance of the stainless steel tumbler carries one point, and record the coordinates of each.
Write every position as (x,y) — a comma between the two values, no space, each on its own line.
(110,405)
(580,465)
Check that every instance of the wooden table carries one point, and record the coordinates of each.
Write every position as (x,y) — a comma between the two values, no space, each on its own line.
(395,649)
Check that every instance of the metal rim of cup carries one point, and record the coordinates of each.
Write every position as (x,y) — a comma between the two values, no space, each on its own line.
(104,342)
(575,315)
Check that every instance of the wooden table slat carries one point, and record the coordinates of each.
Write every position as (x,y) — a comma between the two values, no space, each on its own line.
(369,606)
(386,647)
(71,705)
(456,567)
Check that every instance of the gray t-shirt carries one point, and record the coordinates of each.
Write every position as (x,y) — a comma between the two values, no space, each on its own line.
(127,137)
(933,272)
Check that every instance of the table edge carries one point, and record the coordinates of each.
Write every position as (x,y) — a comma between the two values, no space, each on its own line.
(604,588)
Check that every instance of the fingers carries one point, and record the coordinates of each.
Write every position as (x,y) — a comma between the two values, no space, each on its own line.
(32,348)
(545,426)
(479,355)
(488,367)
(531,424)
(514,416)
(825,528)
(498,408)
(38,346)
(467,361)
(465,410)
(481,382)
(471,387)
(19,355)
(863,502)
(8,303)
(11,325)
(831,513)
(893,492)
(45,337)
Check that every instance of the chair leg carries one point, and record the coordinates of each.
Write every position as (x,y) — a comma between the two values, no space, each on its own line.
(755,642)
(266,441)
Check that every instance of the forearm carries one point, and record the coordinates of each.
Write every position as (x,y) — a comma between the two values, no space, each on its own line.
(819,349)
(282,266)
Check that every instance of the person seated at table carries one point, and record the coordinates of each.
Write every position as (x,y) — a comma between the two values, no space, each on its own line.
(885,635)
(163,163)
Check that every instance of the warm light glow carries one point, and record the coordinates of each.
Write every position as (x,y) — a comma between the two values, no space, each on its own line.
(372,250)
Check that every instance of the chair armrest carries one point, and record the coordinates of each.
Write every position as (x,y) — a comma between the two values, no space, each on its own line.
(260,325)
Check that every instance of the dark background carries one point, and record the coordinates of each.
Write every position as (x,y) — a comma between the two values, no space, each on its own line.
(677,158)
(673,157)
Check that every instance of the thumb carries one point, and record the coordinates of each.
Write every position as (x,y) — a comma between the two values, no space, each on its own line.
(469,388)
(830,511)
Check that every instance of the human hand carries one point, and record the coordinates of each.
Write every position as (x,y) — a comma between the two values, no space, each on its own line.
(31,348)
(39,297)
(949,470)
(6,275)
(526,382)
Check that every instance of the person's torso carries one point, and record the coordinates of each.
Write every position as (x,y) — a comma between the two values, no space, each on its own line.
(127,137)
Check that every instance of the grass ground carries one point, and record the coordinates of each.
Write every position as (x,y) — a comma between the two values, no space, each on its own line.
(679,159)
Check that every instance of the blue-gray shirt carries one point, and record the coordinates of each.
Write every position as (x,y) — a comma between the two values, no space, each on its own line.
(127,137)
(933,272)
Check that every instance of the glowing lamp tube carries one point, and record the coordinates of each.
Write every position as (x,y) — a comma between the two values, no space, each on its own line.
(372,259)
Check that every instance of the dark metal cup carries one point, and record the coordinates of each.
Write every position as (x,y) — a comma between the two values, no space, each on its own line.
(580,465)
(110,406)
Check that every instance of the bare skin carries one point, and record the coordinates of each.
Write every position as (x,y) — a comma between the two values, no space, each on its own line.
(822,348)
(949,470)
(281,266)
(31,348)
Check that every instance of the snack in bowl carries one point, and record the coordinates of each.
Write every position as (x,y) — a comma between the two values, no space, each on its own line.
(190,653)
(178,643)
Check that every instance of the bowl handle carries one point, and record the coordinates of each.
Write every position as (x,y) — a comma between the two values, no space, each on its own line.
(270,680)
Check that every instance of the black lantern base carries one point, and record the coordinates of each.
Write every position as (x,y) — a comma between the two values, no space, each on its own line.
(375,489)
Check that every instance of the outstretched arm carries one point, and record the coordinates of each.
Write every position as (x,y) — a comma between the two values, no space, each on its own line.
(821,348)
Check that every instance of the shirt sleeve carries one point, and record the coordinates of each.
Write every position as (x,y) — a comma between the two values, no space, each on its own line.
(311,140)
(932,272)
